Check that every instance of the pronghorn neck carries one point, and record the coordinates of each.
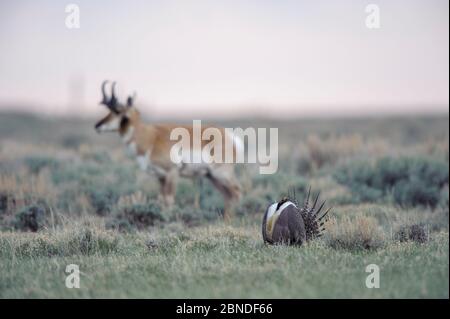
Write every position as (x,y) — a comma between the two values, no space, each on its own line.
(127,134)
(128,126)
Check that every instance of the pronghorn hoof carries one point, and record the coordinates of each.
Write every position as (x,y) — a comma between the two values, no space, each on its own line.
(286,222)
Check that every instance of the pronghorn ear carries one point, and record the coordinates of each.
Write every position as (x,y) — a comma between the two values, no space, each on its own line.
(130,100)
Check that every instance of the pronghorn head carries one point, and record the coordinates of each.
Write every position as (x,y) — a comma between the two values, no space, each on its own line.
(119,113)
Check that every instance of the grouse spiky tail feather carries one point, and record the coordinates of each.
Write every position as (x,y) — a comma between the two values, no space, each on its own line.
(313,221)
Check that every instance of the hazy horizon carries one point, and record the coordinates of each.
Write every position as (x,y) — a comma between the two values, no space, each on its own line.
(227,58)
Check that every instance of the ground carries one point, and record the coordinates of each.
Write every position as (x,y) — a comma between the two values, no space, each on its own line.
(69,196)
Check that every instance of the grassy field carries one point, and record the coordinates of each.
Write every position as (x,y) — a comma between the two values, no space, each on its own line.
(69,196)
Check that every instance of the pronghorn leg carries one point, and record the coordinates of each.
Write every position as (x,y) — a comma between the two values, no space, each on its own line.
(224,180)
(227,210)
(198,181)
(170,187)
(162,189)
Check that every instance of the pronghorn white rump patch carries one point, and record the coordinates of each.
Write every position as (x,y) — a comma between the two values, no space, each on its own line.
(272,215)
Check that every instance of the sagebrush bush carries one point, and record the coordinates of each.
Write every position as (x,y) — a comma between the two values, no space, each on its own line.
(279,184)
(252,204)
(88,153)
(320,151)
(189,216)
(199,193)
(305,166)
(4,198)
(142,215)
(414,232)
(120,224)
(36,163)
(102,199)
(444,202)
(355,233)
(16,203)
(79,240)
(30,218)
(73,141)
(186,193)
(408,181)
(102,185)
(414,192)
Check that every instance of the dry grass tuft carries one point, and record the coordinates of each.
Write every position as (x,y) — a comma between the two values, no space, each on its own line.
(328,151)
(79,238)
(355,233)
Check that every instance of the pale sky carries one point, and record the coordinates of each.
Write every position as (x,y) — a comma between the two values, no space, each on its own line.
(210,58)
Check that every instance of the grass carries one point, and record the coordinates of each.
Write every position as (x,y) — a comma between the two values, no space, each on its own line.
(226,262)
(68,196)
(355,234)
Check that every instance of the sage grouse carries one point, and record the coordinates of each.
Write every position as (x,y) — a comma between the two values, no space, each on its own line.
(285,222)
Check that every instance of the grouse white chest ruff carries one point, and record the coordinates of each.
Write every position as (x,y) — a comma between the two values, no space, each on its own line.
(273,213)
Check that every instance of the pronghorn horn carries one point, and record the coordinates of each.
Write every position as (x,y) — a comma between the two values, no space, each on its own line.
(131,99)
(113,88)
(105,98)
(113,101)
(113,91)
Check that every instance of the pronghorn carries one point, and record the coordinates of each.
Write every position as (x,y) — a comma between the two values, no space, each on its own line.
(151,144)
